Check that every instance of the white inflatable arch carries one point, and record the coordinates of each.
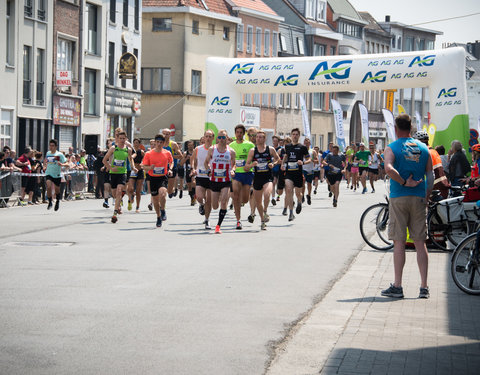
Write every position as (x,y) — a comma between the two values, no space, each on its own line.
(442,71)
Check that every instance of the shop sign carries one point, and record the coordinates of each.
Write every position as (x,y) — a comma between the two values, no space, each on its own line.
(66,111)
(64,78)
(128,66)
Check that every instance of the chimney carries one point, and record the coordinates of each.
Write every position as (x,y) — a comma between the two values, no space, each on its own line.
(387,19)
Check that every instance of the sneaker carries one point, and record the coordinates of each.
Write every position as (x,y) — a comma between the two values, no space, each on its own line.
(150,207)
(263,226)
(50,205)
(274,202)
(120,211)
(334,203)
(309,200)
(303,198)
(30,203)
(170,196)
(180,195)
(207,226)
(266,217)
(239,225)
(137,210)
(163,214)
(57,205)
(217,230)
(315,191)
(192,202)
(251,218)
(159,222)
(231,206)
(424,293)
(291,217)
(299,208)
(330,194)
(201,209)
(373,190)
(114,217)
(129,206)
(364,190)
(284,212)
(106,205)
(175,192)
(393,291)
(278,198)
(351,188)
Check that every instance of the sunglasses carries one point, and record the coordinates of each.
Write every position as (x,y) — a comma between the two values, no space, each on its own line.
(221,137)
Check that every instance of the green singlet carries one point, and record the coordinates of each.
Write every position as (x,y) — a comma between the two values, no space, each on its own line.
(241,153)
(120,157)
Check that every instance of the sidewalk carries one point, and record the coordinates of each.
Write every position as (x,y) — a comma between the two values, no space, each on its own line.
(354,330)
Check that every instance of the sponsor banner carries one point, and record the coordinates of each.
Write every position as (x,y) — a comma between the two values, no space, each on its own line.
(338,118)
(364,120)
(249,116)
(66,111)
(306,123)
(390,123)
(377,133)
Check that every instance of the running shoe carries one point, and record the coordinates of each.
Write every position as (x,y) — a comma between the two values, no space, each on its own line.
(192,202)
(159,222)
(239,225)
(231,206)
(207,226)
(57,205)
(274,202)
(263,226)
(315,191)
(309,200)
(180,195)
(201,209)
(170,196)
(351,187)
(284,212)
(137,210)
(303,198)
(114,217)
(217,230)
(291,217)
(175,192)
(393,291)
(106,205)
(120,211)
(50,204)
(150,207)
(334,203)
(163,215)
(330,194)
(364,190)
(266,217)
(373,191)
(278,198)
(299,207)
(251,218)
(424,293)
(129,206)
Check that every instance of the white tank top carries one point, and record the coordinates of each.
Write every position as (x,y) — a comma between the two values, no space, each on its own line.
(201,156)
(309,167)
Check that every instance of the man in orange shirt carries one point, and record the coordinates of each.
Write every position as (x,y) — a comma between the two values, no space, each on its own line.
(158,163)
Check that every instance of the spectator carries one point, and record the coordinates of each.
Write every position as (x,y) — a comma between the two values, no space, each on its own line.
(441,151)
(4,167)
(91,177)
(459,166)
(38,181)
(27,184)
(100,175)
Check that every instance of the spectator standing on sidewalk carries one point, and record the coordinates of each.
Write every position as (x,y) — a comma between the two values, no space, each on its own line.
(27,183)
(459,167)
(407,162)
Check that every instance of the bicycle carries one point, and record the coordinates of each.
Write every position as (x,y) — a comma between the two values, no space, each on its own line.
(465,264)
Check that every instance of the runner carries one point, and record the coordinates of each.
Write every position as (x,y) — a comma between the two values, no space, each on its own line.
(186,163)
(53,162)
(222,159)
(252,137)
(362,158)
(135,182)
(115,162)
(276,168)
(293,162)
(159,164)
(281,176)
(202,189)
(263,159)
(354,170)
(325,169)
(336,164)
(317,166)
(374,160)
(308,171)
(243,178)
(147,177)
(173,148)
(349,154)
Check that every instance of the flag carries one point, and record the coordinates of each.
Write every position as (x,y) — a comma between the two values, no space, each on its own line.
(401,110)
(306,124)
(418,119)
(338,118)
(364,120)
(390,123)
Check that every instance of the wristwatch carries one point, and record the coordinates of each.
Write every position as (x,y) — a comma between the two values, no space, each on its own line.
(404,182)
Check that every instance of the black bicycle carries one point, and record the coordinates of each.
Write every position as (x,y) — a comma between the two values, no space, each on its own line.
(465,265)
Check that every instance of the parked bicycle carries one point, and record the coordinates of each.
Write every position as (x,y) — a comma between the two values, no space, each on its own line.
(465,265)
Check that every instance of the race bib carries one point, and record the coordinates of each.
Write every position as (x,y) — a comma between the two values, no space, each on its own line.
(159,170)
(292,166)
(203,171)
(50,159)
(262,167)
(336,170)
(118,163)
(133,174)
(220,173)
(239,163)
(354,164)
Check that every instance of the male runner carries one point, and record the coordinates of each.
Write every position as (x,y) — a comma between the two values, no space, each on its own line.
(295,154)
(316,169)
(325,169)
(336,164)
(262,158)
(374,160)
(115,162)
(173,148)
(147,177)
(202,188)
(159,163)
(53,162)
(362,157)
(243,178)
(135,182)
(308,171)
(252,137)
(276,167)
(185,162)
(222,159)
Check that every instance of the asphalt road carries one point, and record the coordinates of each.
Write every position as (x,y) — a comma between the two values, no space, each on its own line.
(79,295)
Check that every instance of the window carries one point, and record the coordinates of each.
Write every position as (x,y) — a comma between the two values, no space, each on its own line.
(240,38)
(301,50)
(399,42)
(90,94)
(256,99)
(273,100)
(318,100)
(297,101)
(27,75)
(288,101)
(111,63)
(349,29)
(196,82)
(420,44)
(124,81)
(409,43)
(333,50)
(283,43)
(113,10)
(92,19)
(248,99)
(125,13)
(226,33)
(136,21)
(249,38)
(264,100)
(10,34)
(281,100)
(258,41)
(266,43)
(322,10)
(318,49)
(28,8)
(161,24)
(65,53)
(40,77)
(41,13)
(6,121)
(274,44)
(135,81)
(430,44)
(394,39)
(310,8)
(195,27)
(156,79)
(211,29)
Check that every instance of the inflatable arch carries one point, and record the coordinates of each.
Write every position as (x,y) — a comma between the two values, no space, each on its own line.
(442,71)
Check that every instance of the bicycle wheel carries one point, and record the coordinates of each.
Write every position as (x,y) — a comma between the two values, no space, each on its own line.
(373,227)
(457,232)
(437,232)
(465,266)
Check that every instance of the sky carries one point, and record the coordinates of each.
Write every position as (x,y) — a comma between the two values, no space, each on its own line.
(409,12)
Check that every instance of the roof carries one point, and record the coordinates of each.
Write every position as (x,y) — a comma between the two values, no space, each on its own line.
(373,24)
(284,9)
(344,8)
(410,27)
(256,5)
(216,6)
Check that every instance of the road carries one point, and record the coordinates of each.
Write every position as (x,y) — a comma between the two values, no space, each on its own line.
(79,294)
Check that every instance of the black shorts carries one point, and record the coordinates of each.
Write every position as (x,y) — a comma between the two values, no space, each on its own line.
(117,179)
(362,169)
(308,177)
(174,172)
(128,175)
(281,180)
(296,177)
(188,176)
(156,183)
(203,182)
(260,179)
(218,186)
(139,176)
(372,170)
(349,167)
(181,172)
(316,174)
(28,183)
(334,177)
(56,180)
(148,177)
(106,177)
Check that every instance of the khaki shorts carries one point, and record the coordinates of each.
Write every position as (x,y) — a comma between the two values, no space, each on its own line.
(407,212)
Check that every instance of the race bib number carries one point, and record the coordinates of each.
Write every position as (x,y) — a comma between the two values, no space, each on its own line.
(336,170)
(118,163)
(203,172)
(159,170)
(292,166)
(262,167)
(133,174)
(220,173)
(239,163)
(354,164)
(50,159)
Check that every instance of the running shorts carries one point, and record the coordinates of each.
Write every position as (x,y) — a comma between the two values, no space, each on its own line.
(363,169)
(174,172)
(373,170)
(334,177)
(117,179)
(260,179)
(181,172)
(296,177)
(218,186)
(137,176)
(156,183)
(245,178)
(203,182)
(281,180)
(308,176)
(56,180)
(316,174)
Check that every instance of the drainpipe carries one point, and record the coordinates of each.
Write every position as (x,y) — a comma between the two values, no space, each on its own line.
(80,72)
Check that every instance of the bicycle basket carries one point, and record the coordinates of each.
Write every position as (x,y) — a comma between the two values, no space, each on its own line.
(451,210)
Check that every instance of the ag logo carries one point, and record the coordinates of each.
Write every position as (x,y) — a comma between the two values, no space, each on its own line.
(223,101)
(289,81)
(339,70)
(450,93)
(425,61)
(380,76)
(242,69)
